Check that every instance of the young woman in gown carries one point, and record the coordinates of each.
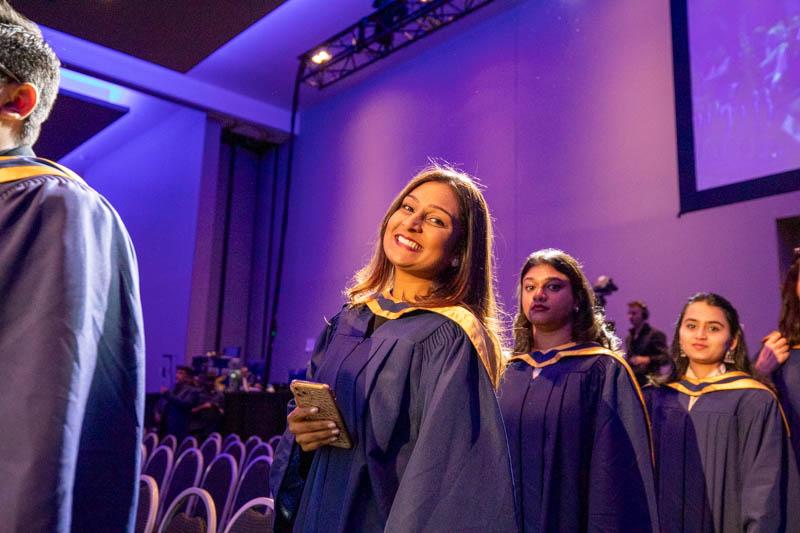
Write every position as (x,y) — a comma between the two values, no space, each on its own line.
(722,454)
(779,357)
(413,362)
(576,422)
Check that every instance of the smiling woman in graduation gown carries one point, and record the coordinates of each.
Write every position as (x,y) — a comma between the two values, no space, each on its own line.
(780,354)
(722,452)
(576,422)
(414,377)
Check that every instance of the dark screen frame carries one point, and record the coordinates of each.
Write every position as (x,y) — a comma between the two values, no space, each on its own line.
(691,198)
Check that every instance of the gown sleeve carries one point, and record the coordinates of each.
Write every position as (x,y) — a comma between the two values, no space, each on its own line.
(72,354)
(458,476)
(769,483)
(787,381)
(286,477)
(621,480)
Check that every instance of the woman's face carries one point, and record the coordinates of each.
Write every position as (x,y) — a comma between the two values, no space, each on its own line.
(547,298)
(422,233)
(705,334)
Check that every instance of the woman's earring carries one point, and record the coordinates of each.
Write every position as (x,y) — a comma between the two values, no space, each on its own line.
(454,262)
(681,353)
(729,360)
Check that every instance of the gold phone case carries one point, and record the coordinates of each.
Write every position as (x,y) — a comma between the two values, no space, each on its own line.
(310,394)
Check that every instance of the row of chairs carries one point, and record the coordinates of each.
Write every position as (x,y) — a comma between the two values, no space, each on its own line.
(231,478)
(212,446)
(194,511)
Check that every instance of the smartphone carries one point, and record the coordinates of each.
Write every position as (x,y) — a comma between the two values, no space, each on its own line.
(310,394)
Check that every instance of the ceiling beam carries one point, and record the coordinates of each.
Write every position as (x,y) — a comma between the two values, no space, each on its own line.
(237,112)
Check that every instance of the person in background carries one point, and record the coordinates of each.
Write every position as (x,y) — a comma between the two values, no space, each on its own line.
(779,357)
(206,417)
(176,404)
(645,346)
(723,458)
(413,363)
(71,333)
(576,422)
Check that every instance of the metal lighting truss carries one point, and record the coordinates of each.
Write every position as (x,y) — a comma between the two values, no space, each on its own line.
(375,36)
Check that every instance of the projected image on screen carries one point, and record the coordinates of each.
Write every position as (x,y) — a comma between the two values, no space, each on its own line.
(745,77)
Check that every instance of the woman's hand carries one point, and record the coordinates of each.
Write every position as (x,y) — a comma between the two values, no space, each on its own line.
(311,434)
(774,353)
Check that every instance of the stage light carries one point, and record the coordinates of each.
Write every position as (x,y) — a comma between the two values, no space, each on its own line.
(321,57)
(395,25)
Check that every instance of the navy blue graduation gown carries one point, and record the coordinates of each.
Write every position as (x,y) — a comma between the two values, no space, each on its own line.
(429,451)
(71,355)
(579,442)
(725,464)
(787,381)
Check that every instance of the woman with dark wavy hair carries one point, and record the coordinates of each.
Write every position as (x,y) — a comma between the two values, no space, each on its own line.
(722,454)
(575,419)
(780,353)
(413,361)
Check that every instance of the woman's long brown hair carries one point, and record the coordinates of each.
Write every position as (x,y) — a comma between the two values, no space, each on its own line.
(789,324)
(741,361)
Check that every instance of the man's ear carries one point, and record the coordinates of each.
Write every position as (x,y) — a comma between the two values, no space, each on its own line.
(20,102)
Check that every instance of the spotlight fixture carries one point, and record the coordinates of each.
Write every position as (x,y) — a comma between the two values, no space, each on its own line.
(395,25)
(322,56)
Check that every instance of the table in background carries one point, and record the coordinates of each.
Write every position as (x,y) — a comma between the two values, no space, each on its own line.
(246,413)
(255,413)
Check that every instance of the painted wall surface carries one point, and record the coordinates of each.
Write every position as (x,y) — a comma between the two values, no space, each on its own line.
(564,110)
(148,165)
(235,200)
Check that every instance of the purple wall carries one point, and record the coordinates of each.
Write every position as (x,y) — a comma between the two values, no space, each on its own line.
(239,307)
(149,165)
(205,272)
(565,111)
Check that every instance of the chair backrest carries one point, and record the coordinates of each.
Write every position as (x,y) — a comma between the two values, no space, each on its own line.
(253,483)
(220,482)
(188,442)
(151,442)
(215,435)
(210,449)
(256,515)
(236,450)
(274,440)
(202,518)
(148,505)
(171,441)
(143,453)
(187,473)
(251,443)
(262,450)
(159,466)
(233,437)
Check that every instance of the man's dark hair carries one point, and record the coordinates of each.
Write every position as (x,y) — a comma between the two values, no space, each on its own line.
(641,305)
(24,52)
(189,370)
